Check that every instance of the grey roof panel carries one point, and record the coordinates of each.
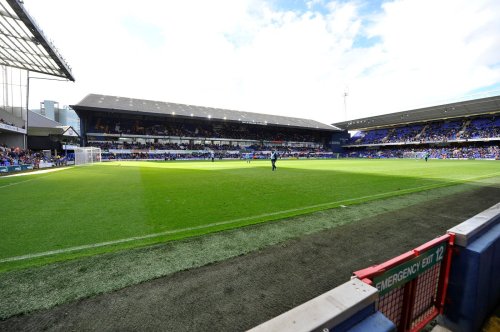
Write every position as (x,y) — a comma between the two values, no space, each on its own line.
(36,120)
(490,105)
(124,104)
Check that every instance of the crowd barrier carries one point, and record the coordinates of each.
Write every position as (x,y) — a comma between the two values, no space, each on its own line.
(454,277)
(474,286)
(412,287)
(15,168)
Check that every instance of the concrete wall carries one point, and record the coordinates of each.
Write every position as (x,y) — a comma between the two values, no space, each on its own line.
(474,284)
(349,307)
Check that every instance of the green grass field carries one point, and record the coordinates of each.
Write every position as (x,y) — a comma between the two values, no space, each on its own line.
(87,210)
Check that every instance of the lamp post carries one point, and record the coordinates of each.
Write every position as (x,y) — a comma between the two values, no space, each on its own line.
(346,93)
(27,107)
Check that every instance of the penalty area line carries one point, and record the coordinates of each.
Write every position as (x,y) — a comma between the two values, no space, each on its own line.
(228,222)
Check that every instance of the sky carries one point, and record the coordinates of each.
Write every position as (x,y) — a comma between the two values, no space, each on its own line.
(330,61)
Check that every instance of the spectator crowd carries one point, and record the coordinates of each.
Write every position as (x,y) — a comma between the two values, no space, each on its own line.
(202,130)
(466,138)
(438,131)
(460,152)
(198,151)
(15,156)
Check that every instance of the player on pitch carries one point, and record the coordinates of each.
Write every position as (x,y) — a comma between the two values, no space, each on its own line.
(274,157)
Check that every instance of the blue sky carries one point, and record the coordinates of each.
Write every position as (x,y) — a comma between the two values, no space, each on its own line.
(293,58)
(150,33)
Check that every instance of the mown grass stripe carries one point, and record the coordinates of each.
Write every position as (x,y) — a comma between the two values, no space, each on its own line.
(228,222)
(31,173)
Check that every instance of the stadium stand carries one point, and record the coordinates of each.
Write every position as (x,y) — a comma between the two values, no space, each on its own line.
(465,130)
(127,128)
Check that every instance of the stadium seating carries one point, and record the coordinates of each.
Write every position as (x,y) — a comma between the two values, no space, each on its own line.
(476,138)
(199,151)
(162,139)
(437,131)
(462,152)
(202,130)
(405,134)
(483,128)
(373,136)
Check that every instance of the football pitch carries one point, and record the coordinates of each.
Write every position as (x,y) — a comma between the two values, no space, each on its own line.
(111,206)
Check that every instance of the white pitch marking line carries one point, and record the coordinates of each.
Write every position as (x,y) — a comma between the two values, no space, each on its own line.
(227,222)
(31,173)
(42,171)
(14,183)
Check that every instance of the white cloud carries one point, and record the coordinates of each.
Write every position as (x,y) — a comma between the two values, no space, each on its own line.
(250,55)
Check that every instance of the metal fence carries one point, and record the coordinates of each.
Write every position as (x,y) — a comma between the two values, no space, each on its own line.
(412,286)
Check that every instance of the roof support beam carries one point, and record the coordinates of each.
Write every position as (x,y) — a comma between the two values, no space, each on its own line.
(23,45)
